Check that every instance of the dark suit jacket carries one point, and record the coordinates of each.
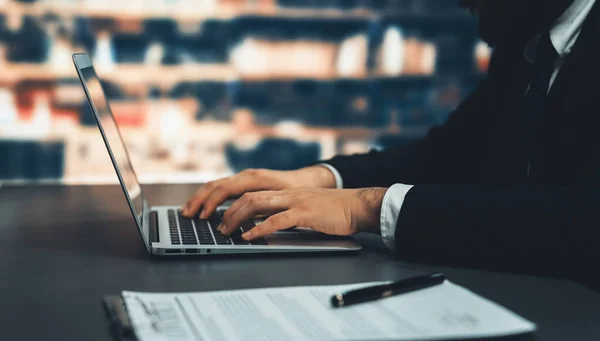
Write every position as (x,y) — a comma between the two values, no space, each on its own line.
(474,203)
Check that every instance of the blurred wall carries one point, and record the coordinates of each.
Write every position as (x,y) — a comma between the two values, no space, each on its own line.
(204,88)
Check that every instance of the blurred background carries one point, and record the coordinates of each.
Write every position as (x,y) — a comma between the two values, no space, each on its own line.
(205,88)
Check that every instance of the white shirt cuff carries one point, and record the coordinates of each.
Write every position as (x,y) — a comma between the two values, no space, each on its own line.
(390,210)
(339,183)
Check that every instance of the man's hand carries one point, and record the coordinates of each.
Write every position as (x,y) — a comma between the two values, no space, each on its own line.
(341,212)
(214,193)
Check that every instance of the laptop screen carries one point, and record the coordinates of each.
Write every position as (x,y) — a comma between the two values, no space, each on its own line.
(112,136)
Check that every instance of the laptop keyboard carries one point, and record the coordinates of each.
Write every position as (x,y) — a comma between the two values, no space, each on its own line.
(194,231)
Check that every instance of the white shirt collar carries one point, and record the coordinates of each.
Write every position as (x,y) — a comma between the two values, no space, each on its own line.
(566,29)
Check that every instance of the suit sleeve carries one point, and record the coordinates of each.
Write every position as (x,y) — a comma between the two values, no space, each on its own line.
(551,230)
(446,154)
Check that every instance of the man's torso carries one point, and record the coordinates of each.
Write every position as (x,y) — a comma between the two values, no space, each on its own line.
(565,137)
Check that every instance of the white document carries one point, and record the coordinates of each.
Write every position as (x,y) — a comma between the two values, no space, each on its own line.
(445,311)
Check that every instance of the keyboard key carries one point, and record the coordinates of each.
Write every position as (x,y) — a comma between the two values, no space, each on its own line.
(247,226)
(204,235)
(237,233)
(187,231)
(237,240)
(214,220)
(182,234)
(200,223)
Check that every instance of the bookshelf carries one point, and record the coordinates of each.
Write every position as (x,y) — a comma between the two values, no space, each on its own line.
(140,12)
(171,75)
(330,107)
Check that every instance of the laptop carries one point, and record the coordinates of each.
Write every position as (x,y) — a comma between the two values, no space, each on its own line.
(163,229)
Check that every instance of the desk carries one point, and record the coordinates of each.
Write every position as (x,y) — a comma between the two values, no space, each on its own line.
(62,248)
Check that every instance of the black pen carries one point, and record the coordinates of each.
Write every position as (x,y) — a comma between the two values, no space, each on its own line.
(386,290)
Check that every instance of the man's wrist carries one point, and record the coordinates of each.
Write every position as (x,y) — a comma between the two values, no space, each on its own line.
(368,208)
(319,177)
(339,182)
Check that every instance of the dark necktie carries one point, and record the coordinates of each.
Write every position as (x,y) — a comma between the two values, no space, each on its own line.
(534,102)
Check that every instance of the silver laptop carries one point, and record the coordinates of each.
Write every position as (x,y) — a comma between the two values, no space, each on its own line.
(165,232)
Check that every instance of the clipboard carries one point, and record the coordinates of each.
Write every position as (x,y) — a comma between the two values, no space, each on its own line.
(118,318)
(118,308)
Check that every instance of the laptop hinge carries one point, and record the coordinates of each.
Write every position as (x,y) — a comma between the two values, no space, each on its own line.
(153,227)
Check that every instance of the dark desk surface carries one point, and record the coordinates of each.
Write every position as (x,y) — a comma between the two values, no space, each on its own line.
(63,248)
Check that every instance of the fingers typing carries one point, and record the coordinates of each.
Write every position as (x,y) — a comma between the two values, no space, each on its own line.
(216,198)
(193,205)
(249,206)
(277,222)
(214,193)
